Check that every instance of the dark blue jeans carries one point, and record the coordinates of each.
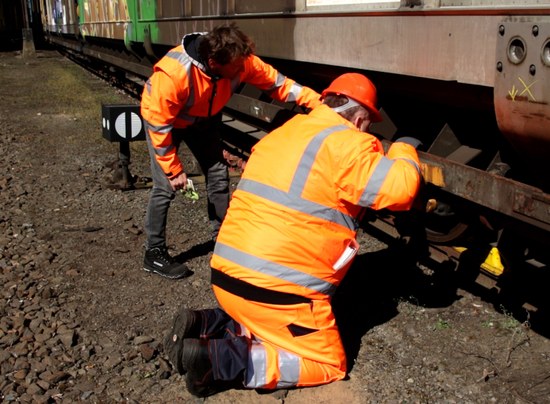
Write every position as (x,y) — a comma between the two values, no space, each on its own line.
(228,350)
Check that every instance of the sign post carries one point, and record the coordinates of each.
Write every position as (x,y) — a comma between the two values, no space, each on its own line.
(123,124)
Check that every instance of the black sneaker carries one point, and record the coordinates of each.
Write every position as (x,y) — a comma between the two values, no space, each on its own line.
(158,260)
(196,359)
(187,324)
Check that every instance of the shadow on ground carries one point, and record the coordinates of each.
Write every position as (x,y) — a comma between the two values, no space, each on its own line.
(378,281)
(374,286)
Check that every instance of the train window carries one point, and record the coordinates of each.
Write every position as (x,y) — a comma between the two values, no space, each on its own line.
(351,4)
(488,3)
(341,2)
(244,7)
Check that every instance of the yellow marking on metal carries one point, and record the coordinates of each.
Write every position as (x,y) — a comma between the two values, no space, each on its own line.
(527,88)
(433,174)
(513,92)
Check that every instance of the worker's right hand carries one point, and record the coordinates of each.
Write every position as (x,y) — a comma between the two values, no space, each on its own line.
(179,181)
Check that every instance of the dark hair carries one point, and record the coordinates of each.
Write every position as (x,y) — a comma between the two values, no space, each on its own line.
(225,43)
(335,100)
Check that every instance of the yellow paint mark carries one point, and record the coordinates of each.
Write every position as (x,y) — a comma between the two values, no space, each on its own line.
(513,92)
(433,174)
(527,88)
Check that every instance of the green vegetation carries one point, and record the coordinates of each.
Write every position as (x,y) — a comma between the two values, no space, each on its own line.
(441,324)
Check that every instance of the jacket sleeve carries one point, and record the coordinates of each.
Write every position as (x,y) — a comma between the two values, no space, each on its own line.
(402,181)
(379,181)
(278,86)
(164,100)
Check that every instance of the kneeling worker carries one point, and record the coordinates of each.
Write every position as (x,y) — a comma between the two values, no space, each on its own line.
(287,242)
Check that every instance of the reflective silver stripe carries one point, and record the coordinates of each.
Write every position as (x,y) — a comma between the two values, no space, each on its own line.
(412,162)
(294,92)
(256,372)
(164,129)
(257,366)
(292,199)
(186,62)
(181,57)
(301,205)
(375,182)
(279,81)
(191,97)
(289,369)
(308,158)
(163,151)
(185,117)
(148,86)
(274,269)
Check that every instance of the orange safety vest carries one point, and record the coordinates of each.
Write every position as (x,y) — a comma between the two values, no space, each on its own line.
(294,212)
(180,92)
(290,224)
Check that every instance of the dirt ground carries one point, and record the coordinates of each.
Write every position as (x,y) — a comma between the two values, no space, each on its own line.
(81,320)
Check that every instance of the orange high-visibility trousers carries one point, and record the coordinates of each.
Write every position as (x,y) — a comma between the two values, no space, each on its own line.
(300,343)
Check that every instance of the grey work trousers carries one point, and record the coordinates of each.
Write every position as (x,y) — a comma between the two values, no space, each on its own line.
(203,139)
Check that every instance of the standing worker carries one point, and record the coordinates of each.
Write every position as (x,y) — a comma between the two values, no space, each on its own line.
(286,244)
(182,101)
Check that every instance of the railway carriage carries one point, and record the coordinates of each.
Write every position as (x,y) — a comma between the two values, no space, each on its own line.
(470,78)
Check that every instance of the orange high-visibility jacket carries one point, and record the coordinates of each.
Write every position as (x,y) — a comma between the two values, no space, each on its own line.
(180,92)
(294,212)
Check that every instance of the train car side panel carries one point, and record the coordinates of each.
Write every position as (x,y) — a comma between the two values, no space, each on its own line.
(522,87)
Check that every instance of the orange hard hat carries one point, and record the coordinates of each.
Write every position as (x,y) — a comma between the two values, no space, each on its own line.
(359,88)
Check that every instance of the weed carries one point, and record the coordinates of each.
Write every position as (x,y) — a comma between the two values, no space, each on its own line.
(488,324)
(441,324)
(508,322)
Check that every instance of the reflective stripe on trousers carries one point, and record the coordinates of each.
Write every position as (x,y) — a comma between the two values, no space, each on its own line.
(290,345)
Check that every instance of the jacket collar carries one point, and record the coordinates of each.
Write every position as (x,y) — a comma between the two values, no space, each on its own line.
(323,111)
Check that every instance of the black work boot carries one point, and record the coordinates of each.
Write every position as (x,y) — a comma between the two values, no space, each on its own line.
(196,359)
(186,324)
(158,260)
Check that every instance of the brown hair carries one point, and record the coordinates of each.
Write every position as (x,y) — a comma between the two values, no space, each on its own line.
(225,43)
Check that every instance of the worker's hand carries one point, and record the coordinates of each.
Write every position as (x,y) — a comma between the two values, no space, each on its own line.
(179,181)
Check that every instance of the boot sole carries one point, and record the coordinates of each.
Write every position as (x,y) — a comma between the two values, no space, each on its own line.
(185,274)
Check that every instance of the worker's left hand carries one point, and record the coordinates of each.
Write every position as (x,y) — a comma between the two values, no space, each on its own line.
(179,181)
